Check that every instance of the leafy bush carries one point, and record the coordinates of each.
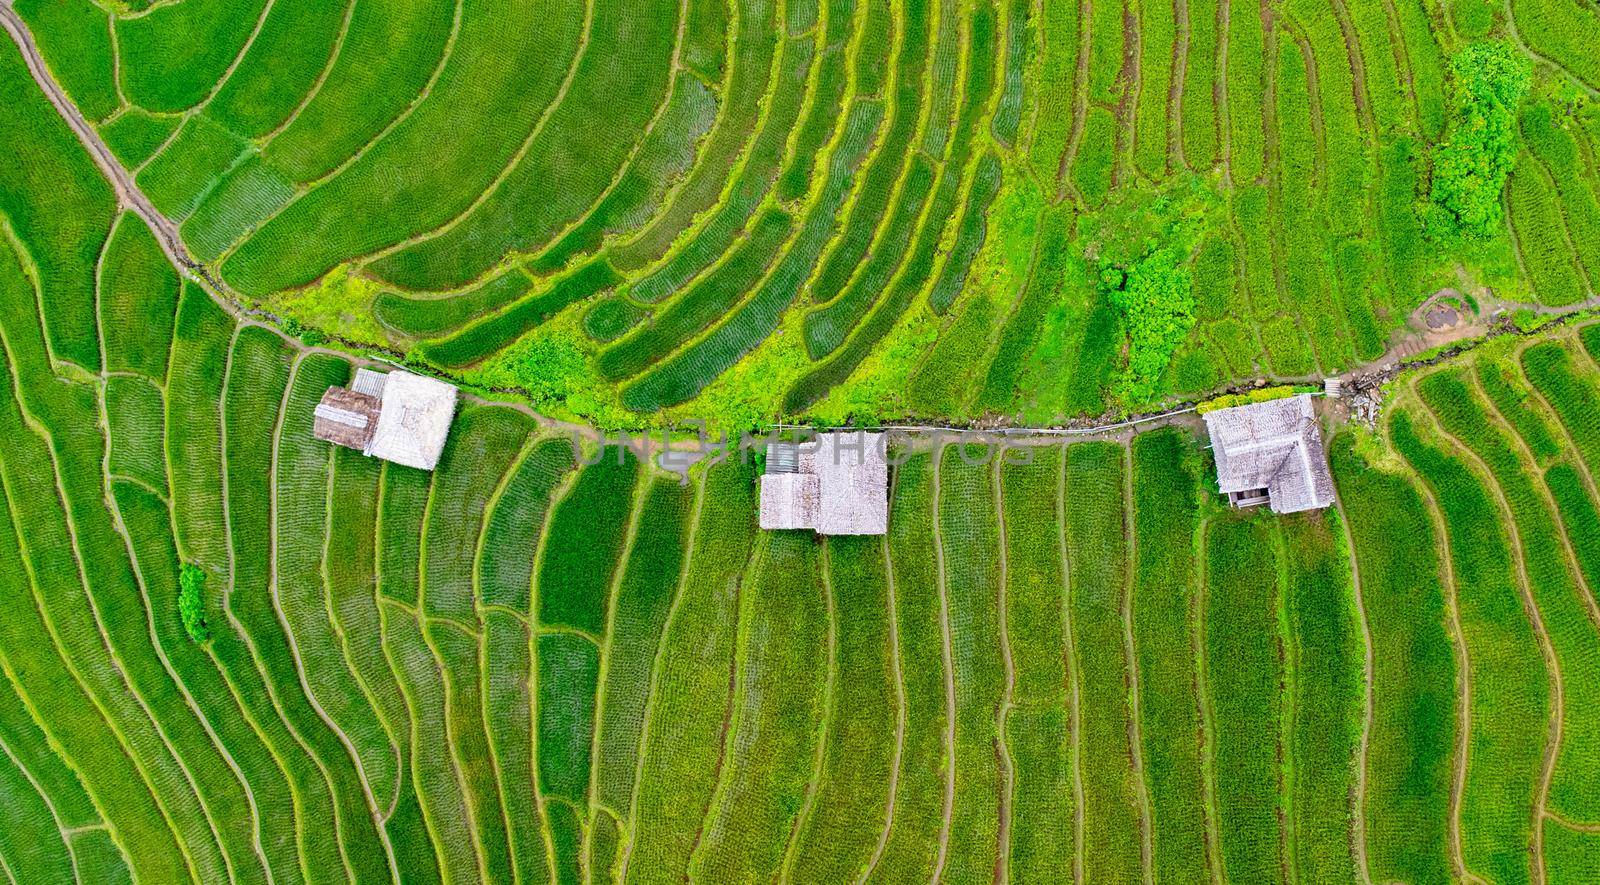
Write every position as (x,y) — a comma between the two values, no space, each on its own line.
(192,603)
(1251,396)
(1488,81)
(1156,297)
(1139,255)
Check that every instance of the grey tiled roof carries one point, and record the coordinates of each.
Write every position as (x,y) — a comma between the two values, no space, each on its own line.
(1275,445)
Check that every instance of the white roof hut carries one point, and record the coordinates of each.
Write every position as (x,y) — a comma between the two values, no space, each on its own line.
(398,417)
(1271,453)
(836,484)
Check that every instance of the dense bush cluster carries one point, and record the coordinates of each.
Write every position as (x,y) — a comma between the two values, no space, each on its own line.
(192,602)
(1488,83)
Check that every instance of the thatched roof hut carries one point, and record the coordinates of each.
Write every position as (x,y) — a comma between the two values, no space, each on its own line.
(1271,453)
(398,417)
(836,484)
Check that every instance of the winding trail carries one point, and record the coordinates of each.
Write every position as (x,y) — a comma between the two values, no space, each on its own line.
(129,196)
(1441,540)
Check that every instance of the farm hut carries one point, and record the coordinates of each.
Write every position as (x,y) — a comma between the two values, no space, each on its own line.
(1271,453)
(836,484)
(397,416)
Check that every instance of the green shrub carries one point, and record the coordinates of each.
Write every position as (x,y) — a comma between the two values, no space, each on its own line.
(1156,297)
(192,603)
(1251,396)
(1488,81)
(1139,255)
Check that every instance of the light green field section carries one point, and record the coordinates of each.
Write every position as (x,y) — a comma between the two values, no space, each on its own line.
(734,210)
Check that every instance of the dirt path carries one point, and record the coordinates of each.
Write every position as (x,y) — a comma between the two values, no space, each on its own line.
(1447,568)
(1358,790)
(129,195)
(1552,747)
(948,653)
(1008,774)
(1131,82)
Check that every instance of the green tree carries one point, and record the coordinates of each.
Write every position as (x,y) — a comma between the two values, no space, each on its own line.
(1487,83)
(192,603)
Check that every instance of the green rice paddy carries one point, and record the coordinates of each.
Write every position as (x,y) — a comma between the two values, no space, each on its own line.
(1067,662)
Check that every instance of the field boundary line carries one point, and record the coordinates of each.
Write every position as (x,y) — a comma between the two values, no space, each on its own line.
(1208,728)
(514,162)
(1463,746)
(402,746)
(820,174)
(294,644)
(72,667)
(1064,187)
(200,106)
(446,53)
(619,571)
(481,639)
(1555,733)
(302,188)
(996,334)
(49,803)
(675,70)
(734,28)
(1579,464)
(322,76)
(1288,655)
(33,424)
(183,690)
(1574,826)
(1130,658)
(830,705)
(407,692)
(114,510)
(1358,788)
(1130,77)
(1178,77)
(657,666)
(335,625)
(557,494)
(1007,762)
(701,220)
(900,704)
(892,112)
(1224,117)
(1536,477)
(1070,653)
(732,717)
(1522,45)
(425,620)
(949,669)
(235,624)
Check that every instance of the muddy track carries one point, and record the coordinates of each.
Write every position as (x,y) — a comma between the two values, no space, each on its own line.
(1458,783)
(1080,100)
(1554,735)
(129,196)
(1180,76)
(1128,104)
(1358,788)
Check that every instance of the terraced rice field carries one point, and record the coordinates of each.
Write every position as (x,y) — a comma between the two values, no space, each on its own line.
(1070,661)
(637,212)
(1067,662)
